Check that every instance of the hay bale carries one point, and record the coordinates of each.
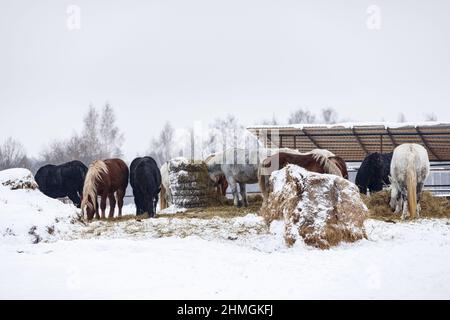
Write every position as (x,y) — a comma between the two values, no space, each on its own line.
(189,184)
(431,206)
(324,210)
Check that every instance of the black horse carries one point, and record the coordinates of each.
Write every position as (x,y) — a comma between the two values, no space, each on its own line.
(61,181)
(145,179)
(374,172)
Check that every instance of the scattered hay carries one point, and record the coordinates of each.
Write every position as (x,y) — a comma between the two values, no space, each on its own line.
(223,211)
(432,207)
(207,224)
(228,211)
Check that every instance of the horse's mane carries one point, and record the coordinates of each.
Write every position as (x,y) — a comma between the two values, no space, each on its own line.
(90,187)
(329,166)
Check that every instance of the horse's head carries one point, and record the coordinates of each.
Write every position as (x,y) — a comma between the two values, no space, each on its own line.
(88,208)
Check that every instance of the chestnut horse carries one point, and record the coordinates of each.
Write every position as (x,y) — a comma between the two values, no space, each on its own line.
(104,179)
(219,180)
(319,163)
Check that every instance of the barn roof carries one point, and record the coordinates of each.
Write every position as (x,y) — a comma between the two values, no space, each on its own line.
(353,141)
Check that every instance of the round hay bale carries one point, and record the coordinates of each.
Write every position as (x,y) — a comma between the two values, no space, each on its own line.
(190,184)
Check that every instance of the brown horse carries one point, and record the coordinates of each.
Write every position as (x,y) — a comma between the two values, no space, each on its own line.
(340,163)
(104,179)
(312,162)
(219,181)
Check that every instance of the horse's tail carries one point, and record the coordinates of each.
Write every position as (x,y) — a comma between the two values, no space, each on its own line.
(411,186)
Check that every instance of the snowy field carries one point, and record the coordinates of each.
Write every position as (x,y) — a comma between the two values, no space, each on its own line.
(218,258)
(407,260)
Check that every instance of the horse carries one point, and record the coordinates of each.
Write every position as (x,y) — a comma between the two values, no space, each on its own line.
(341,164)
(315,162)
(374,171)
(166,195)
(219,181)
(145,179)
(104,178)
(241,167)
(410,167)
(65,180)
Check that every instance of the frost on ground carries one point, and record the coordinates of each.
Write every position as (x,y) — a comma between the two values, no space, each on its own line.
(217,258)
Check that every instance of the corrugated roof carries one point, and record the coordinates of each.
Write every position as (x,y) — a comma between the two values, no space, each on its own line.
(353,141)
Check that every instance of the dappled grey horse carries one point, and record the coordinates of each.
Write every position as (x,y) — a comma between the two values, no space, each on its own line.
(240,166)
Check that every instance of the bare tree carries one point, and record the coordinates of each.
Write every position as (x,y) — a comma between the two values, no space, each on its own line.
(329,115)
(401,117)
(100,139)
(430,117)
(161,148)
(13,155)
(111,140)
(270,122)
(301,116)
(226,133)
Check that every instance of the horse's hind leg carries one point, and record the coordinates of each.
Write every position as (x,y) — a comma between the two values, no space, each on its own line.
(234,190)
(112,205)
(263,187)
(103,205)
(243,194)
(120,195)
(404,203)
(163,202)
(419,197)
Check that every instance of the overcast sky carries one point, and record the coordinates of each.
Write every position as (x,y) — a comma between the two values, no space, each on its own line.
(195,60)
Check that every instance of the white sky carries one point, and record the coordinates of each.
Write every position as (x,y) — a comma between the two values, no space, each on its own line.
(195,60)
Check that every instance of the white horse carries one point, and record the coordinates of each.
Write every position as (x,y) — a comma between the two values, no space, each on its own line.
(410,167)
(165,194)
(241,166)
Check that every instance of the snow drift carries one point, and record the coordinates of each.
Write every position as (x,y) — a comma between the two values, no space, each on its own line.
(26,214)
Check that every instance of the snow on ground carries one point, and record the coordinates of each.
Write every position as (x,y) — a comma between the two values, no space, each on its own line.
(218,258)
(27,215)
(403,260)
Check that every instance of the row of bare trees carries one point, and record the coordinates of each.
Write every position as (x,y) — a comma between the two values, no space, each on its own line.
(101,138)
(326,115)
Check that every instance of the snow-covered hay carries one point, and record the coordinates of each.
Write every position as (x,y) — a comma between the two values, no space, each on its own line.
(17,179)
(189,184)
(323,210)
(26,214)
(431,206)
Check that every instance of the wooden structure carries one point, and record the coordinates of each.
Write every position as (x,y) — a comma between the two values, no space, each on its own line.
(353,141)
